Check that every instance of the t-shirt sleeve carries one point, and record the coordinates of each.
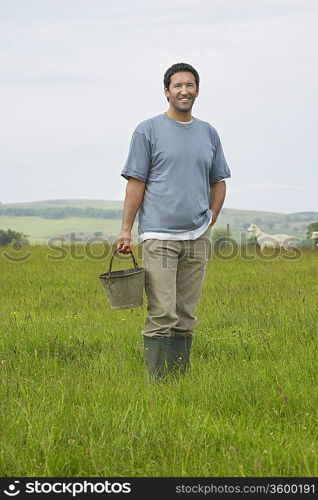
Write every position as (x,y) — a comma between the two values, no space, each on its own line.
(220,169)
(139,158)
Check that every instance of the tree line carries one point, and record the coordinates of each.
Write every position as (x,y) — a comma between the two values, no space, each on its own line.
(62,213)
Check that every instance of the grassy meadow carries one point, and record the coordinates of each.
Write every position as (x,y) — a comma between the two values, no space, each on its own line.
(41,230)
(76,401)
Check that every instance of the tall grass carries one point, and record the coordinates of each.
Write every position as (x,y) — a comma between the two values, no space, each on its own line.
(76,401)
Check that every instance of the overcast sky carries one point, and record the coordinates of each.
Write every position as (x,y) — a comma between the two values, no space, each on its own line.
(77,76)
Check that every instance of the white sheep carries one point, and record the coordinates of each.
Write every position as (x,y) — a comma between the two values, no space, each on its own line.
(270,240)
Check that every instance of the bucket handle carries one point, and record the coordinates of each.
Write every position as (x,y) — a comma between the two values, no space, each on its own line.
(112,257)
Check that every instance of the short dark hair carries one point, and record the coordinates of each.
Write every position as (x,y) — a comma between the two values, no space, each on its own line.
(175,68)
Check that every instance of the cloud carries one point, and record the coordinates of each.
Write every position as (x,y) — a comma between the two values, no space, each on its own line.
(78,76)
(270,186)
(52,79)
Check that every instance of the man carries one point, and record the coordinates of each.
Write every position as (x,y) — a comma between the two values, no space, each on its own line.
(175,171)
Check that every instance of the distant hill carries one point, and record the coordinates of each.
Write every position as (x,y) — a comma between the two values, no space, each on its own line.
(81,203)
(48,218)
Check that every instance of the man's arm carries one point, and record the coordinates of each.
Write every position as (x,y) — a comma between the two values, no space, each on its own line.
(217,196)
(134,195)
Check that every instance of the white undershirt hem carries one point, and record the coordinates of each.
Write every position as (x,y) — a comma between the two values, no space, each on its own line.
(184,235)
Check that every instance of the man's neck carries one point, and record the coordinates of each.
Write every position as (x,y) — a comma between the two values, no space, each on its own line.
(179,117)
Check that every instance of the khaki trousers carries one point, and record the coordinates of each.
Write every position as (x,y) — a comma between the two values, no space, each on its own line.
(174,275)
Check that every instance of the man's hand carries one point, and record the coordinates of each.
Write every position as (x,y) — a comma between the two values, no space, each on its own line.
(123,242)
(214,219)
(217,195)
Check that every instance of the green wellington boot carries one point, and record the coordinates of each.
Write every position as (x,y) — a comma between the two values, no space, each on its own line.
(166,355)
(178,353)
(155,357)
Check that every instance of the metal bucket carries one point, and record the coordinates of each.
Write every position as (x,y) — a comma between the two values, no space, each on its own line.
(124,289)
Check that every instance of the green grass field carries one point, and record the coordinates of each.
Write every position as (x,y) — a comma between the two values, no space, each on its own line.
(40,230)
(76,401)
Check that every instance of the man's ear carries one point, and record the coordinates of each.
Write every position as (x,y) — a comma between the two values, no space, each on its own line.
(166,91)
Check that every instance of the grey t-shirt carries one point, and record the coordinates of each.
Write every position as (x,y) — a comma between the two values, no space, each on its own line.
(178,162)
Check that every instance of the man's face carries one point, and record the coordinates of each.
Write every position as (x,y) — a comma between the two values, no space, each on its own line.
(182,91)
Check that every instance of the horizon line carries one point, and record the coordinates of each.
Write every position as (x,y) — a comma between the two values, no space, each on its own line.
(121,201)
